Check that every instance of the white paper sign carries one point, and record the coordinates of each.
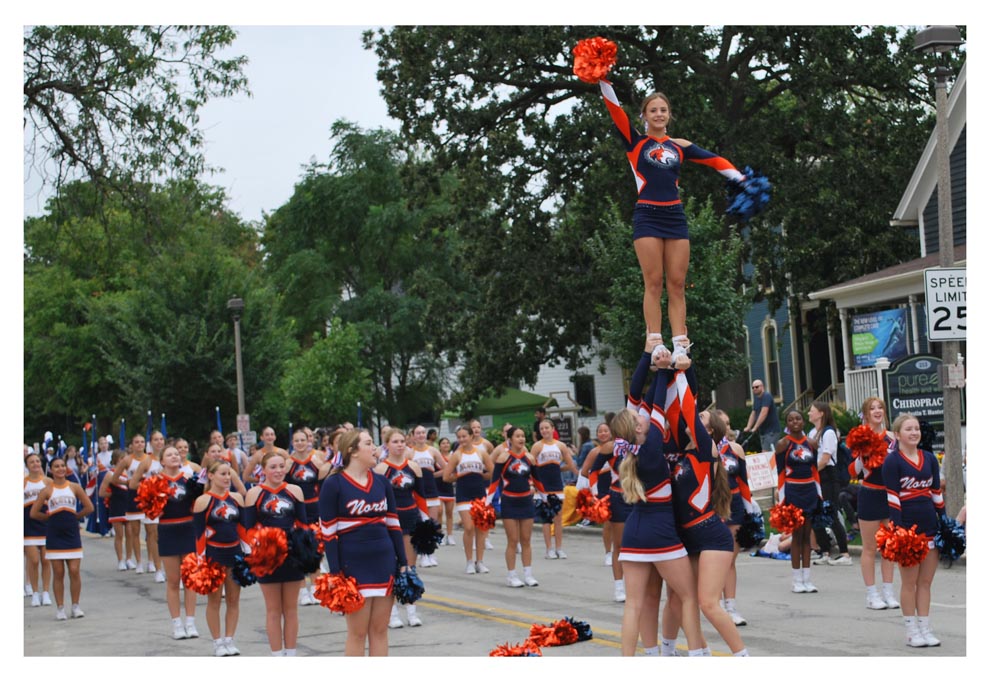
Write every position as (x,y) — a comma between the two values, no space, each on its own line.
(761,471)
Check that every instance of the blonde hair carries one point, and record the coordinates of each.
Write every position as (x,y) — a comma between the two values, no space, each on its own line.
(901,418)
(623,425)
(866,408)
(721,490)
(348,446)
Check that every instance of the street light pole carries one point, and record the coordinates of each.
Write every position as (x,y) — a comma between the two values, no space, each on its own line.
(940,39)
(236,307)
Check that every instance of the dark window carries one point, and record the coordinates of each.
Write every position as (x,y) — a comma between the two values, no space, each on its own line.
(584,393)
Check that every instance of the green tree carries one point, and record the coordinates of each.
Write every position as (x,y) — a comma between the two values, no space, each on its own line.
(325,382)
(119,105)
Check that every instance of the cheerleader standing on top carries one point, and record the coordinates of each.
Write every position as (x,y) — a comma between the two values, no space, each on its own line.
(429,461)
(551,457)
(734,462)
(176,537)
(470,469)
(798,484)
(217,522)
(35,532)
(303,470)
(278,504)
(514,468)
(362,539)
(914,494)
(872,511)
(63,545)
(406,479)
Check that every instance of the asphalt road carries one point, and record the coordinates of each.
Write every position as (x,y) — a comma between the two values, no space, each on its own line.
(468,615)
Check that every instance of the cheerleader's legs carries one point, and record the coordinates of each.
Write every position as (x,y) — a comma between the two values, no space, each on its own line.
(676,256)
(868,559)
(369,624)
(233,600)
(617,529)
(133,540)
(682,600)
(558,533)
(649,616)
(916,586)
(711,568)
(518,532)
(173,572)
(650,253)
(75,579)
(801,546)
(448,513)
(35,555)
(151,540)
(607,534)
(58,584)
(119,531)
(281,613)
(468,538)
(637,578)
(730,578)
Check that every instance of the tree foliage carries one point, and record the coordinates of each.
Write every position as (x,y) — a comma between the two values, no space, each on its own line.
(119,105)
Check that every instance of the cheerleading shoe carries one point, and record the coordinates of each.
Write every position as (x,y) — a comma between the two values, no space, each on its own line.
(139,568)
(889,599)
(131,564)
(160,575)
(608,558)
(551,554)
(394,621)
(45,599)
(561,554)
(873,601)
(512,580)
(77,612)
(121,565)
(60,615)
(219,648)
(178,631)
(451,542)
(470,569)
(679,358)
(28,590)
(913,635)
(797,586)
(411,617)
(432,559)
(420,558)
(191,631)
(841,560)
(36,599)
(809,586)
(925,630)
(488,544)
(231,649)
(481,567)
(737,617)
(620,592)
(530,581)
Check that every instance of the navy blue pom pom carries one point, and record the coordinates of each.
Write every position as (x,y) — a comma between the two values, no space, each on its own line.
(951,538)
(304,554)
(242,573)
(548,509)
(408,588)
(824,516)
(751,532)
(583,629)
(426,536)
(749,196)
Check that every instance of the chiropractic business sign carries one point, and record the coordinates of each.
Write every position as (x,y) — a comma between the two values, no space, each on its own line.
(881,334)
(914,385)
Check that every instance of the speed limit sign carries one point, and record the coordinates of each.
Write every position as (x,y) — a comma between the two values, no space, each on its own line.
(945,303)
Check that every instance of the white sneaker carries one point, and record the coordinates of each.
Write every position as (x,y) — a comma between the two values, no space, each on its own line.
(551,554)
(77,612)
(561,554)
(231,649)
(679,357)
(873,601)
(809,586)
(60,615)
(488,544)
(820,560)
(737,618)
(28,590)
(45,599)
(151,568)
(843,560)
(179,631)
(394,622)
(412,617)
(481,567)
(514,581)
(451,542)
(36,599)
(608,558)
(797,586)
(433,559)
(470,570)
(530,581)
(191,631)
(220,649)
(122,566)
(660,357)
(305,598)
(160,575)
(929,636)
(139,568)
(914,636)
(131,564)
(620,593)
(890,600)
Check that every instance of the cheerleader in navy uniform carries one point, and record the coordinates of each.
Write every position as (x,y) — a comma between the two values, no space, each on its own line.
(176,538)
(798,484)
(63,545)
(150,466)
(35,532)
(551,457)
(407,487)
(363,540)
(429,461)
(114,496)
(914,493)
(217,522)
(514,468)
(734,462)
(872,511)
(445,490)
(132,516)
(651,551)
(100,522)
(303,470)
(600,483)
(279,504)
(470,469)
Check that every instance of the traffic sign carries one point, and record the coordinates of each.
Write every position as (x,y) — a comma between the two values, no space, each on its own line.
(945,303)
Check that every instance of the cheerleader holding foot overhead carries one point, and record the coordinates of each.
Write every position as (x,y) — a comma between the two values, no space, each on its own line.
(551,457)
(63,544)
(406,479)
(35,532)
(650,544)
(915,498)
(702,499)
(470,469)
(362,540)
(278,504)
(872,510)
(660,230)
(217,521)
(176,538)
(430,462)
(798,484)
(514,468)
(303,467)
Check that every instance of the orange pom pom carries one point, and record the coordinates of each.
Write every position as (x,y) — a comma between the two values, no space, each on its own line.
(202,575)
(596,510)
(868,445)
(902,545)
(786,517)
(593,58)
(527,648)
(338,592)
(269,547)
(315,527)
(483,514)
(152,494)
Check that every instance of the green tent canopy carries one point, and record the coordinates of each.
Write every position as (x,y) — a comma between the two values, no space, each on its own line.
(512,400)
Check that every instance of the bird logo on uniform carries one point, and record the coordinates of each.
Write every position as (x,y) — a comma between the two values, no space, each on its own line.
(662,156)
(400,480)
(303,474)
(802,454)
(276,505)
(224,511)
(519,468)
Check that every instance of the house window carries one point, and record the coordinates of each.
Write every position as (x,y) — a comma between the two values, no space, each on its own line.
(584,393)
(771,359)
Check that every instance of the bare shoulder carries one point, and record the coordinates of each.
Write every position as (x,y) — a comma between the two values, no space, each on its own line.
(681,142)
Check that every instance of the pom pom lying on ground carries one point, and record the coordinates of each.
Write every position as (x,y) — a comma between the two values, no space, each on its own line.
(525,649)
